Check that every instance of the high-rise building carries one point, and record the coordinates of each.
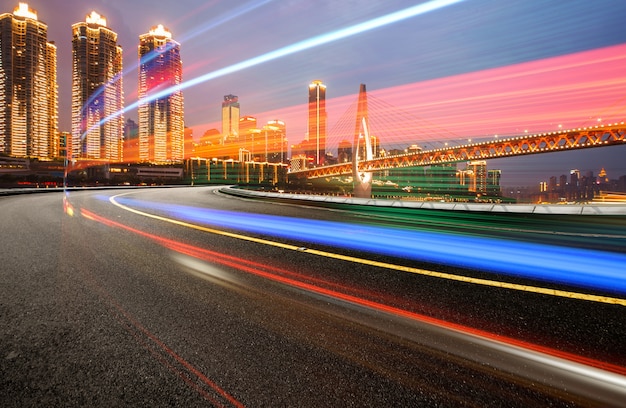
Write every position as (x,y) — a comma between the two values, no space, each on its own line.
(28,86)
(275,133)
(574,177)
(478,176)
(97,92)
(317,122)
(230,119)
(161,116)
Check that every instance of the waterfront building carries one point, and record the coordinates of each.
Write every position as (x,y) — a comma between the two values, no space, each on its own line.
(493,182)
(161,115)
(477,170)
(28,86)
(97,92)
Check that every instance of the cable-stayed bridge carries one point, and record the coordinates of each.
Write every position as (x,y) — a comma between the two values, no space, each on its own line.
(601,135)
(580,138)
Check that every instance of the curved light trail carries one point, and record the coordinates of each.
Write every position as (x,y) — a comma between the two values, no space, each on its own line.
(575,370)
(583,268)
(300,46)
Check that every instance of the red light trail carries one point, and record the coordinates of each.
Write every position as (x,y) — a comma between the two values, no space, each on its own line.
(276,275)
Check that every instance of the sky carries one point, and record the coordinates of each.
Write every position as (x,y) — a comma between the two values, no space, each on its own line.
(448,70)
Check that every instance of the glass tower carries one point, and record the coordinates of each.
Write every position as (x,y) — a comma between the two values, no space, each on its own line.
(316,146)
(97,93)
(161,117)
(28,86)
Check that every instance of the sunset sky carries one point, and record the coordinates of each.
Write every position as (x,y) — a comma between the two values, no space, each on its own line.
(448,70)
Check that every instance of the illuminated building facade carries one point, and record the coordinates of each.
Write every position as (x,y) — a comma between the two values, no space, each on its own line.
(97,92)
(230,119)
(477,171)
(161,117)
(248,137)
(28,86)
(275,134)
(316,142)
(362,154)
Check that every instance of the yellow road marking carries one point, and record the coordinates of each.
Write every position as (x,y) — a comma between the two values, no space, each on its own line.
(418,271)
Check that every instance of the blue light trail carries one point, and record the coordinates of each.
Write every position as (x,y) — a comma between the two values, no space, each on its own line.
(573,266)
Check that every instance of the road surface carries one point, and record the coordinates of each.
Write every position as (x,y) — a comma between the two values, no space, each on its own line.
(190,297)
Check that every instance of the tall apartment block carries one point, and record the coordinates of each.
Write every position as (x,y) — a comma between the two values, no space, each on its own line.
(97,92)
(28,86)
(161,116)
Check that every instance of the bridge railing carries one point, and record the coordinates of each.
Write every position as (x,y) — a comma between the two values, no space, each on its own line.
(571,139)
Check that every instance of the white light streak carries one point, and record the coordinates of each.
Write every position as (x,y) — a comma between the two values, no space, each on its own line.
(353,30)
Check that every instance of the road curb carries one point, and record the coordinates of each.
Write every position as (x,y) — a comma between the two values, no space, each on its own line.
(546,209)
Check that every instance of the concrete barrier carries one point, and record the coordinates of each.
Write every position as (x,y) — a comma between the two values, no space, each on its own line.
(549,209)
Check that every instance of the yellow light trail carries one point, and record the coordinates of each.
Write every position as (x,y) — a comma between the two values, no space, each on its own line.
(385,265)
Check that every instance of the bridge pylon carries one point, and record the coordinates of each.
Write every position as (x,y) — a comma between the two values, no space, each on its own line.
(362,181)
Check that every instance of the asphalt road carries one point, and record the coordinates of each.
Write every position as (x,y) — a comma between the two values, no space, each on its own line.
(140,301)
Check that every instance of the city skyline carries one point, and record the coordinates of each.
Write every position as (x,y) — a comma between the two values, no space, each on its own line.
(399,61)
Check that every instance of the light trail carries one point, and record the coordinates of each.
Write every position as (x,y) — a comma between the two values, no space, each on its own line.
(237,12)
(574,368)
(537,95)
(298,47)
(546,95)
(583,268)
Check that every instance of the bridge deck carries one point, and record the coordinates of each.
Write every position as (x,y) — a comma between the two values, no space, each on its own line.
(581,138)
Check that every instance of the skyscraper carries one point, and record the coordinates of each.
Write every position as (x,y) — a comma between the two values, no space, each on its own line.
(316,145)
(161,117)
(28,86)
(97,93)
(230,118)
